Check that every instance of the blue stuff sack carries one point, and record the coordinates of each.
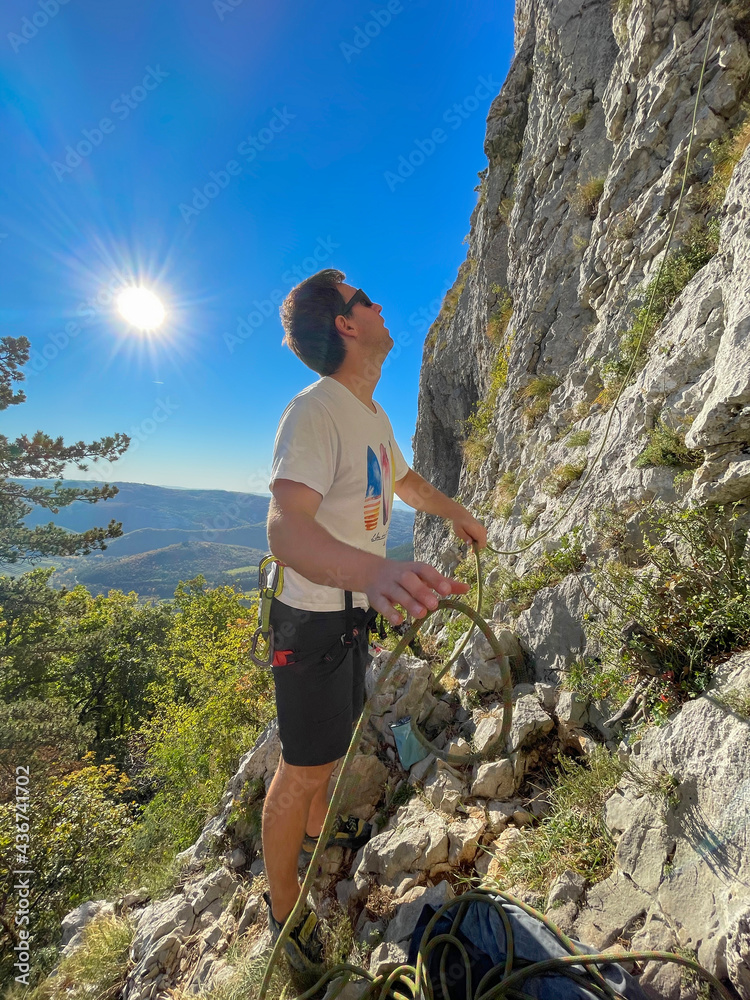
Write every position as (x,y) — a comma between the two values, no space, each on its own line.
(410,750)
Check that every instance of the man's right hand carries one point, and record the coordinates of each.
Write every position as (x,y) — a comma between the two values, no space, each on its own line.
(410,584)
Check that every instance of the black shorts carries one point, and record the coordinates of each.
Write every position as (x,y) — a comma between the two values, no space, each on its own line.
(320,683)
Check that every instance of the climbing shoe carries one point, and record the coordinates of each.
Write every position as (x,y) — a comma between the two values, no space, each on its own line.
(303,946)
(348,831)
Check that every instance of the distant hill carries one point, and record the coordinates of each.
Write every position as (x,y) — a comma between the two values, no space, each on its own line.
(157,573)
(171,535)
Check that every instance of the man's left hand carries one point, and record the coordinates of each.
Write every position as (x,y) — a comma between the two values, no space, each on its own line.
(469,529)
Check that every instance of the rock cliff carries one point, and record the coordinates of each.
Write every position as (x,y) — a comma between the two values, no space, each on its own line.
(586,147)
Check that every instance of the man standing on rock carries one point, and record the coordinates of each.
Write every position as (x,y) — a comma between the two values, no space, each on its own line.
(336,466)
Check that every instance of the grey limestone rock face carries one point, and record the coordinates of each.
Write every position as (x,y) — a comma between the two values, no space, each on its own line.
(603,94)
(681,819)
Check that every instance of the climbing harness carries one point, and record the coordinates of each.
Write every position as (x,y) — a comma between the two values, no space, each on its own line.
(416,978)
(270,584)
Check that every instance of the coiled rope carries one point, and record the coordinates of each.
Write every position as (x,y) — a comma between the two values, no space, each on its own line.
(415,978)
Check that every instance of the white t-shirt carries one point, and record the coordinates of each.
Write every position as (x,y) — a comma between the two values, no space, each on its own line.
(334,443)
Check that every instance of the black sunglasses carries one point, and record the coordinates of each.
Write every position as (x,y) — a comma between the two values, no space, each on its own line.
(359,296)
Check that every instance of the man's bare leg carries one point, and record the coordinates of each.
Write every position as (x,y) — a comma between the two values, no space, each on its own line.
(285,815)
(318,808)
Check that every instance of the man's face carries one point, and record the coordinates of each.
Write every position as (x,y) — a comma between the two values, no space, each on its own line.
(368,321)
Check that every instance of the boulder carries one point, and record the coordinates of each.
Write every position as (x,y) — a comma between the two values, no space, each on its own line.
(529,723)
(401,926)
(463,839)
(476,669)
(364,786)
(445,789)
(406,691)
(566,888)
(571,713)
(494,780)
(415,839)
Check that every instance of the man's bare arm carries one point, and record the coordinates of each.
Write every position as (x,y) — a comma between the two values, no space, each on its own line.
(301,542)
(421,495)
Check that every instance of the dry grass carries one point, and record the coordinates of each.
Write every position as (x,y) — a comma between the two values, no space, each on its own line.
(97,968)
(561,477)
(585,201)
(504,494)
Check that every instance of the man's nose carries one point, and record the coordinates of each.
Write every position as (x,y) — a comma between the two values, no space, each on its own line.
(377,305)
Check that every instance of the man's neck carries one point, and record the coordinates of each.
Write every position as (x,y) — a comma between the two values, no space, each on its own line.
(357,384)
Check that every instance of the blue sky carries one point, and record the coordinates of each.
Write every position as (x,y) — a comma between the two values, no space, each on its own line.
(219,152)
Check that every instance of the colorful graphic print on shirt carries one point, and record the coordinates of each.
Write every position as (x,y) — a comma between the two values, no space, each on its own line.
(381,485)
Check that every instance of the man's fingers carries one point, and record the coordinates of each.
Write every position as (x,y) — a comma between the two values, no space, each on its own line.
(429,575)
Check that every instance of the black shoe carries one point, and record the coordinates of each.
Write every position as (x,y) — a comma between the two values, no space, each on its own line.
(348,831)
(303,946)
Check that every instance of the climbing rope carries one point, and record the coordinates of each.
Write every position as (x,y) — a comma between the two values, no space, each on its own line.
(416,979)
(408,982)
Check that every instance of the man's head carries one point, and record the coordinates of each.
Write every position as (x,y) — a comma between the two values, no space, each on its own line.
(321,330)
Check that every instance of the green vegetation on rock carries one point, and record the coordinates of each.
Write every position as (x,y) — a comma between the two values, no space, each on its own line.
(700,245)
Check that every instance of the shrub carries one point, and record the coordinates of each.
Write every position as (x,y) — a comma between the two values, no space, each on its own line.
(500,315)
(519,591)
(574,835)
(477,428)
(727,152)
(529,515)
(690,604)
(666,446)
(585,200)
(680,267)
(449,305)
(561,477)
(581,410)
(504,209)
(78,822)
(578,439)
(580,243)
(625,226)
(98,968)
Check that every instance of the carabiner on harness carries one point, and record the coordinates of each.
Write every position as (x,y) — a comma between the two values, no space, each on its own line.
(270,584)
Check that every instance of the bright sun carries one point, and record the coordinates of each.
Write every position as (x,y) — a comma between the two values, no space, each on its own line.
(141,308)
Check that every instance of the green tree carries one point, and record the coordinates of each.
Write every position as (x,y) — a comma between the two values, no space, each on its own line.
(39,457)
(102,654)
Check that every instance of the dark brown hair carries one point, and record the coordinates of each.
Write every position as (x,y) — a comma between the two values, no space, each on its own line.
(308,315)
